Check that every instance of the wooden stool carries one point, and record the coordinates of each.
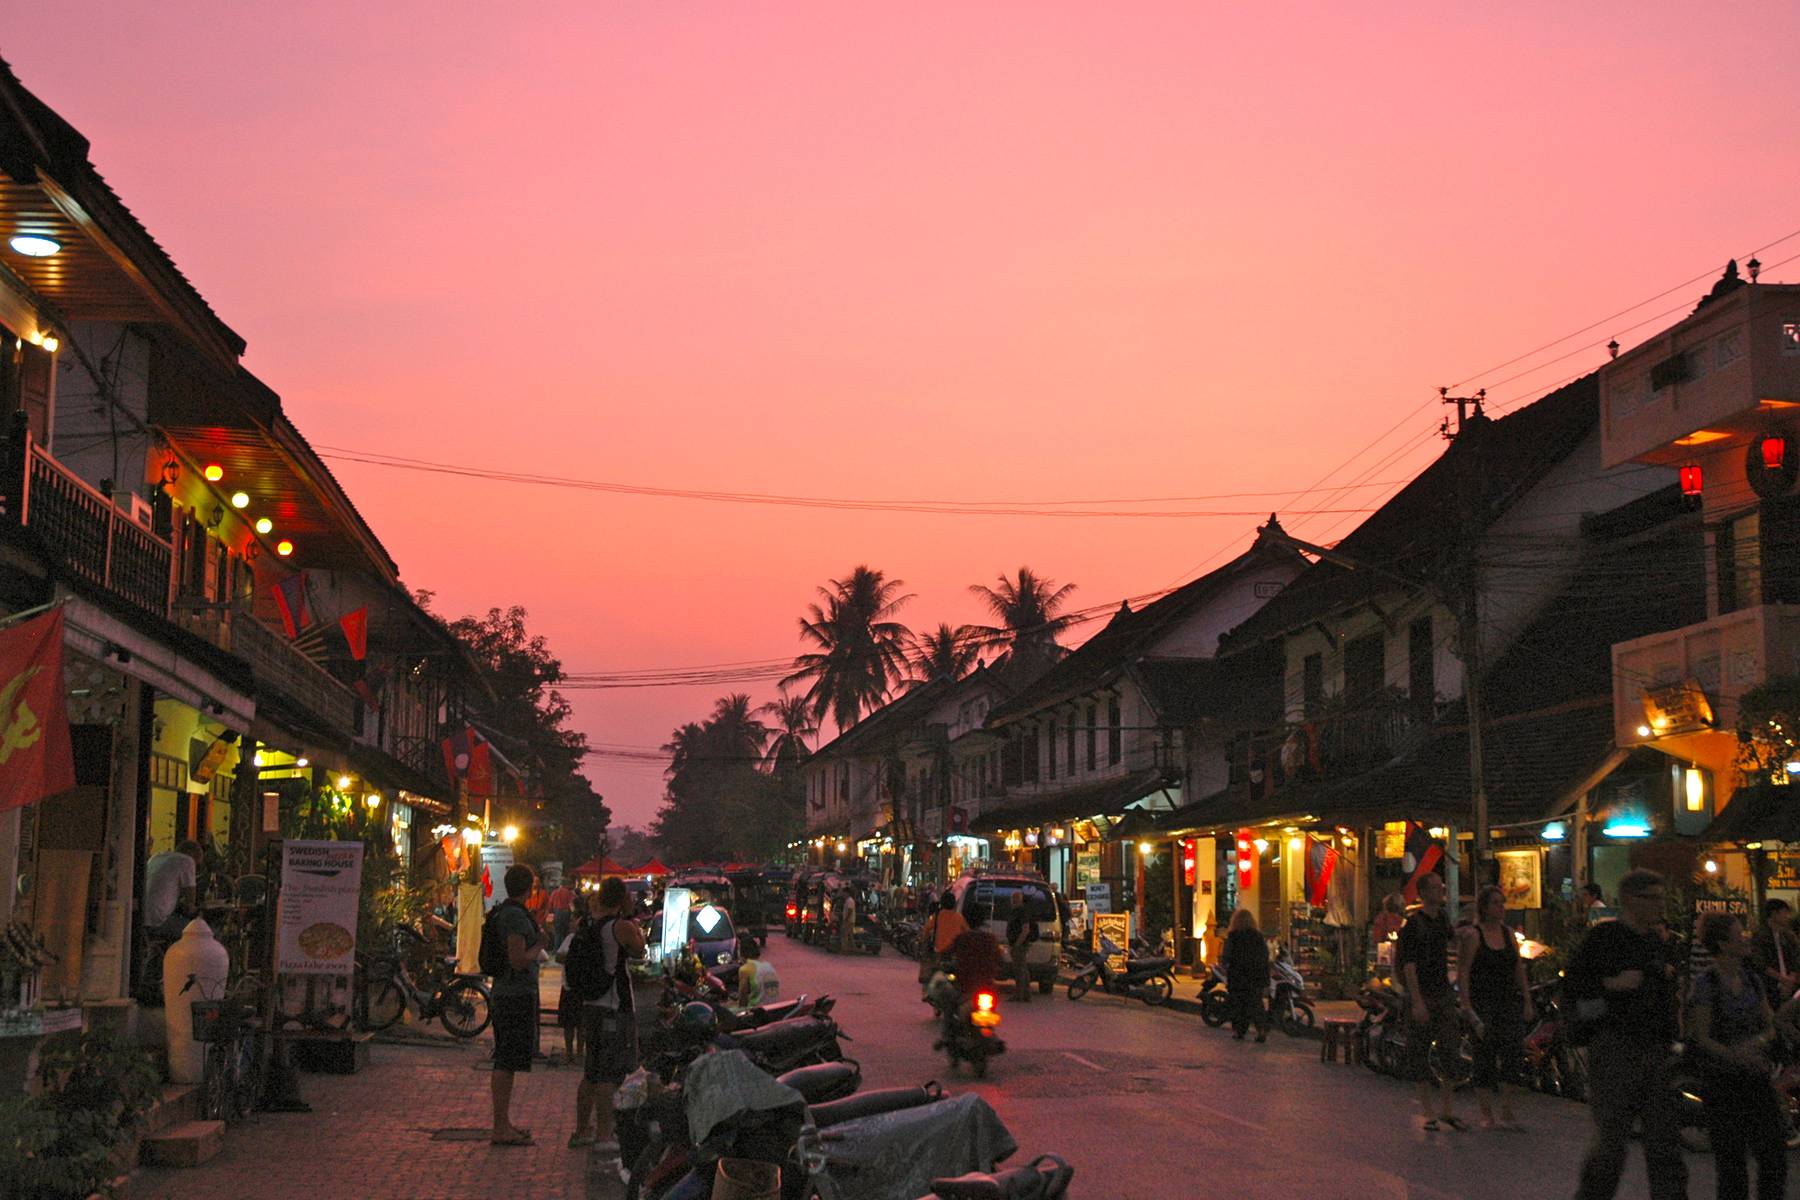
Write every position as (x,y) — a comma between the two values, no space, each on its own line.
(1340,1032)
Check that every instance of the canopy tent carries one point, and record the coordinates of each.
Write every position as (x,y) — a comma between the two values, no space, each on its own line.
(653,867)
(602,867)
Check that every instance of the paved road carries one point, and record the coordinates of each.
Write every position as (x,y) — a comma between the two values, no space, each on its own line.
(1150,1104)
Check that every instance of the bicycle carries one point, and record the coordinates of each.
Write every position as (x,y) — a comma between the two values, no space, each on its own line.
(231,1078)
(461,1003)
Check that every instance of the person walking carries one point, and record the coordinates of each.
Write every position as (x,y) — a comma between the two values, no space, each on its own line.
(1021,932)
(1422,965)
(597,968)
(1775,953)
(1496,1002)
(1622,983)
(1730,1024)
(1245,957)
(517,942)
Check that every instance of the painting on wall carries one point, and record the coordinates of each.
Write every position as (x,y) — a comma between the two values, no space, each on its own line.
(1521,878)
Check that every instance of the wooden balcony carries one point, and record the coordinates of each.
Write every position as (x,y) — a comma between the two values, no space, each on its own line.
(98,542)
(281,671)
(1724,657)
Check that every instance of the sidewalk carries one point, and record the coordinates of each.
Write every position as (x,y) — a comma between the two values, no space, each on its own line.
(412,1126)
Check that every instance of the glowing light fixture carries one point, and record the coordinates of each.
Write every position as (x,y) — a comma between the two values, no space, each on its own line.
(1711,867)
(472,835)
(1691,479)
(284,547)
(264,525)
(1643,731)
(1555,831)
(1792,766)
(510,834)
(240,499)
(1145,848)
(257,758)
(49,342)
(34,245)
(302,762)
(343,782)
(1694,785)
(1627,827)
(213,472)
(373,800)
(1262,845)
(1774,451)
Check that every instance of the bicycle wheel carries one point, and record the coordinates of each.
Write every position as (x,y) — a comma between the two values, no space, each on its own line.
(383,1005)
(246,1083)
(215,1083)
(463,1008)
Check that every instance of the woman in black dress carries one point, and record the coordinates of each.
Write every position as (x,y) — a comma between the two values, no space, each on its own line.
(1246,962)
(1496,1000)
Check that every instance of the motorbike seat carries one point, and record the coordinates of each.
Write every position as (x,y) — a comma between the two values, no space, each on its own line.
(824,1081)
(868,1104)
(1149,964)
(780,1037)
(1047,1177)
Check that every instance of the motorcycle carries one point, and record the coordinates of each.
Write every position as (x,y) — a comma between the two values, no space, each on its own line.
(1044,1178)
(970,1026)
(1215,1004)
(1288,1006)
(1150,979)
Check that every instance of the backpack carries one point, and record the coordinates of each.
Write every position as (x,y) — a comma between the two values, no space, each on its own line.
(492,958)
(585,972)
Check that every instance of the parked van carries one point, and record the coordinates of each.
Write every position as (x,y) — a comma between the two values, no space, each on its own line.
(995,890)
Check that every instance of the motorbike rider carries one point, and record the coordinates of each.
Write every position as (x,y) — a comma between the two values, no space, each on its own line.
(976,956)
(941,930)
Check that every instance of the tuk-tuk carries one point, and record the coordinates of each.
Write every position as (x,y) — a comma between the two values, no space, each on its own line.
(802,904)
(835,890)
(761,893)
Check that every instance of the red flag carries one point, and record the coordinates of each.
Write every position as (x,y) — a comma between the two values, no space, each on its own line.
(35,758)
(290,598)
(356,632)
(481,768)
(1321,864)
(1423,854)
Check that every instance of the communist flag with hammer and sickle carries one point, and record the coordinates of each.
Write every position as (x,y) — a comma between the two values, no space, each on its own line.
(35,759)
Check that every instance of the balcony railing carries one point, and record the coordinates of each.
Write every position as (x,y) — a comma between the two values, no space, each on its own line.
(280,670)
(1726,656)
(96,540)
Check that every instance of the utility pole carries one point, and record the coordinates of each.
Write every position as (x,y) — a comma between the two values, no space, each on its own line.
(1468,618)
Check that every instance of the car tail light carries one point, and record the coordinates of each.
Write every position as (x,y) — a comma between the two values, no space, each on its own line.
(793,909)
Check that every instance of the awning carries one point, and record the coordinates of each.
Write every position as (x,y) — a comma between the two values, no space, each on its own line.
(90,630)
(1107,798)
(385,770)
(1760,812)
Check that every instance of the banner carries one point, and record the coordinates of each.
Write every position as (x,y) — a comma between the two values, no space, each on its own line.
(35,758)
(321,894)
(290,601)
(356,632)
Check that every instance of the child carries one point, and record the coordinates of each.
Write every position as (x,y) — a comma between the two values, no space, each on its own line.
(568,1008)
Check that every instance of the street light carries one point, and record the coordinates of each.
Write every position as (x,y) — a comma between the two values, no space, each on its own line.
(510,834)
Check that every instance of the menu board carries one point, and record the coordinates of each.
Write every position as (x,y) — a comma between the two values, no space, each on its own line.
(321,892)
(1115,928)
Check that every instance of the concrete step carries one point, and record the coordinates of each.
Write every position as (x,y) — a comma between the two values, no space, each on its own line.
(179,1104)
(186,1145)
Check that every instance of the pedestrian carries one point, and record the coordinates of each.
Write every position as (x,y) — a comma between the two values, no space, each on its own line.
(514,997)
(975,955)
(1622,983)
(1730,1024)
(846,915)
(1775,954)
(758,982)
(568,1004)
(1496,1002)
(562,913)
(1422,963)
(1245,958)
(1021,932)
(598,966)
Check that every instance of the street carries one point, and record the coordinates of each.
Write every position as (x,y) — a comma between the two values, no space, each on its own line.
(1145,1103)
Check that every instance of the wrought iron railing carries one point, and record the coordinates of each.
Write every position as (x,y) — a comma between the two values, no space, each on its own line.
(279,669)
(96,540)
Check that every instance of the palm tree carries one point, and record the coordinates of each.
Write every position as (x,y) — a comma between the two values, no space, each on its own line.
(793,724)
(945,653)
(861,649)
(1029,610)
(736,736)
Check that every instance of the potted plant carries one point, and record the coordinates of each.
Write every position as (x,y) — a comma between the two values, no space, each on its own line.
(78,1137)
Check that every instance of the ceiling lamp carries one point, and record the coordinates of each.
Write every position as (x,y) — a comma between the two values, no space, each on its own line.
(213,472)
(1774,451)
(1690,480)
(35,245)
(264,525)
(284,547)
(343,782)
(240,499)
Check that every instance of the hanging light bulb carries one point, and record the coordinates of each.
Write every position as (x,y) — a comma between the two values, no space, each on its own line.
(264,525)
(213,472)
(240,499)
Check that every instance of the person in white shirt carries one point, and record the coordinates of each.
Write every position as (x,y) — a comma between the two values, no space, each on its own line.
(170,884)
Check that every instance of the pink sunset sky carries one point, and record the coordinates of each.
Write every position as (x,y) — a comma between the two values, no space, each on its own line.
(965,252)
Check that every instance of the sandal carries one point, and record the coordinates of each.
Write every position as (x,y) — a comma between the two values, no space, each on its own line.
(1431,1125)
(578,1140)
(518,1137)
(1456,1123)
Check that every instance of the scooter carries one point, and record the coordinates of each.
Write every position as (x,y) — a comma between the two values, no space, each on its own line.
(1215,1005)
(1044,1178)
(1288,1005)
(971,1032)
(1149,979)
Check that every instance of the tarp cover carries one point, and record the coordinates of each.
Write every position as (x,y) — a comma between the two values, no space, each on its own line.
(895,1156)
(725,1086)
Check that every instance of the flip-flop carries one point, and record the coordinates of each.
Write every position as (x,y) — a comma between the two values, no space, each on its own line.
(579,1140)
(1431,1125)
(519,1138)
(1457,1123)
(607,1149)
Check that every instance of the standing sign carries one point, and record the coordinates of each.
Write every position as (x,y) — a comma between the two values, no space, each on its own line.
(321,892)
(677,903)
(1114,928)
(495,858)
(1099,897)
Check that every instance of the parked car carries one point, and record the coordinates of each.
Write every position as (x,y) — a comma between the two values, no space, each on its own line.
(996,890)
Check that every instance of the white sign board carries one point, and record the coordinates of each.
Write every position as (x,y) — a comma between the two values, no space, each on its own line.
(677,903)
(1099,897)
(321,892)
(552,875)
(495,858)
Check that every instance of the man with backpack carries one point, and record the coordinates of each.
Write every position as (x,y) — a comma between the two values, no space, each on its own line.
(510,945)
(596,972)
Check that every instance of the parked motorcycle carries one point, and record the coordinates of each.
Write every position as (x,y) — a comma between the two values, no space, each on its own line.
(1215,1004)
(1150,979)
(1044,1178)
(1288,1006)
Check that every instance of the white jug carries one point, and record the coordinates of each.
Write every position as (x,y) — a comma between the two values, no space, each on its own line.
(199,954)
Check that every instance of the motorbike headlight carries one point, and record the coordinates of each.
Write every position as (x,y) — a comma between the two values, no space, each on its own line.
(724,958)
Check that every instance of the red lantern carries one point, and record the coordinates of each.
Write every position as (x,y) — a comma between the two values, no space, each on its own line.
(1187,861)
(1774,451)
(1690,480)
(1246,857)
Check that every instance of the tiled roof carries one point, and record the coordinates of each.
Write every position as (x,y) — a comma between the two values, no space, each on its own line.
(887,721)
(1183,691)
(1105,798)
(1492,462)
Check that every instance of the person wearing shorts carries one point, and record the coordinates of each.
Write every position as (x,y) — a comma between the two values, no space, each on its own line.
(1422,961)
(514,1003)
(600,952)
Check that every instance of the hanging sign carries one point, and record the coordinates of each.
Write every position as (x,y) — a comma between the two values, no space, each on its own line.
(1099,897)
(321,892)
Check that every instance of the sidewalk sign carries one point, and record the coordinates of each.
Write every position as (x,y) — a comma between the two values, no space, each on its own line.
(321,893)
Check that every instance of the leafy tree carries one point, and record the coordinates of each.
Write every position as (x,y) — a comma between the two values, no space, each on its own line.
(719,803)
(861,649)
(945,653)
(1029,610)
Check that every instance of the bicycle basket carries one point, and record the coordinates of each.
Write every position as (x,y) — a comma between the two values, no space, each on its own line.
(217,1020)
